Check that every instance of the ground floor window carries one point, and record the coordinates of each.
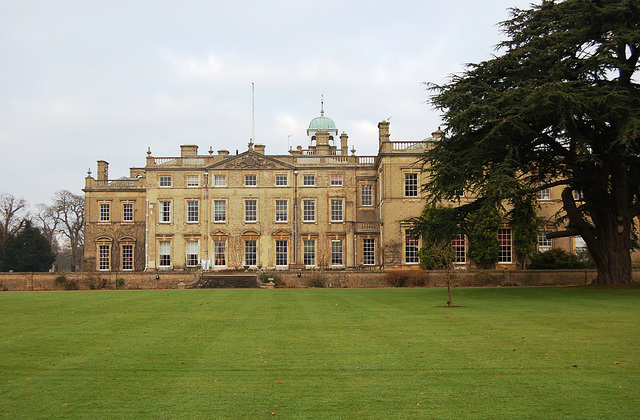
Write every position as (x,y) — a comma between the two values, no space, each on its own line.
(104,257)
(309,252)
(193,252)
(282,257)
(411,249)
(369,251)
(127,257)
(459,249)
(250,252)
(164,254)
(337,258)
(504,237)
(220,253)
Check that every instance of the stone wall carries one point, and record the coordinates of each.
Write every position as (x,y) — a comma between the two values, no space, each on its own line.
(301,279)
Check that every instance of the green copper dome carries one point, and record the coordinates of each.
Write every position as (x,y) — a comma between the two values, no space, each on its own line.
(322,123)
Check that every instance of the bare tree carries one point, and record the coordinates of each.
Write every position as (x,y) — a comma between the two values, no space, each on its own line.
(68,212)
(45,218)
(12,217)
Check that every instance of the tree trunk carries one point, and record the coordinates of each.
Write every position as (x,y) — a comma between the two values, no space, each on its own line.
(615,267)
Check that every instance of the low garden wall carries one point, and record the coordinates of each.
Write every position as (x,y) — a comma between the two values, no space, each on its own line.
(302,279)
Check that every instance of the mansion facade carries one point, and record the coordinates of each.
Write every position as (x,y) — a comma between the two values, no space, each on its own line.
(319,207)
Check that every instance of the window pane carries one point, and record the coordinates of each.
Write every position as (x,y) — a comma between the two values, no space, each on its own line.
(460,249)
(105,210)
(281,253)
(504,237)
(164,253)
(165,181)
(336,253)
(281,210)
(165,211)
(308,180)
(219,211)
(411,185)
(367,195)
(282,180)
(336,210)
(544,244)
(250,180)
(193,252)
(308,211)
(411,249)
(104,257)
(309,252)
(127,212)
(127,257)
(369,251)
(250,252)
(250,211)
(220,180)
(220,253)
(193,211)
(336,179)
(193,180)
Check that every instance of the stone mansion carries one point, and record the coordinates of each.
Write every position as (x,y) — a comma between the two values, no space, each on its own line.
(319,207)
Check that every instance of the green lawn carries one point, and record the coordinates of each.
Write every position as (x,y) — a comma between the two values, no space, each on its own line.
(321,353)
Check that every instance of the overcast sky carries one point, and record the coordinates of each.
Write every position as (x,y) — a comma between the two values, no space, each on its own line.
(85,80)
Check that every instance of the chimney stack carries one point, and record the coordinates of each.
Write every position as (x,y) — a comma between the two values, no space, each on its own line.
(188,150)
(383,132)
(103,170)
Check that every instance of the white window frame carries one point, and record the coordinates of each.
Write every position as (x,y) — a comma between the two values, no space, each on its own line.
(219,180)
(251,248)
(337,253)
(126,259)
(126,213)
(368,251)
(220,253)
(164,259)
(251,212)
(282,253)
(281,213)
(104,257)
(308,180)
(250,180)
(307,212)
(336,208)
(459,244)
(105,212)
(309,252)
(544,244)
(216,214)
(192,253)
(164,209)
(193,211)
(544,194)
(505,255)
(337,180)
(282,180)
(411,247)
(411,185)
(165,181)
(193,181)
(366,195)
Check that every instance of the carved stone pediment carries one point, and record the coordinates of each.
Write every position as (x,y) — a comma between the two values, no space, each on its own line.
(251,160)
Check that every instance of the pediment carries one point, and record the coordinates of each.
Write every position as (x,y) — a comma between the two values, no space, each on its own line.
(252,160)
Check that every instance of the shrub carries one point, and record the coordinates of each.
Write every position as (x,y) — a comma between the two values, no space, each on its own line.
(555,259)
(317,280)
(61,283)
(397,278)
(120,282)
(416,278)
(267,276)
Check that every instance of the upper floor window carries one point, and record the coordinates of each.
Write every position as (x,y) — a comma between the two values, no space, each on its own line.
(165,180)
(105,212)
(544,194)
(336,180)
(308,211)
(193,181)
(367,195)
(282,180)
(193,211)
(308,180)
(165,211)
(410,185)
(250,211)
(250,180)
(281,210)
(219,211)
(219,180)
(127,212)
(336,210)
